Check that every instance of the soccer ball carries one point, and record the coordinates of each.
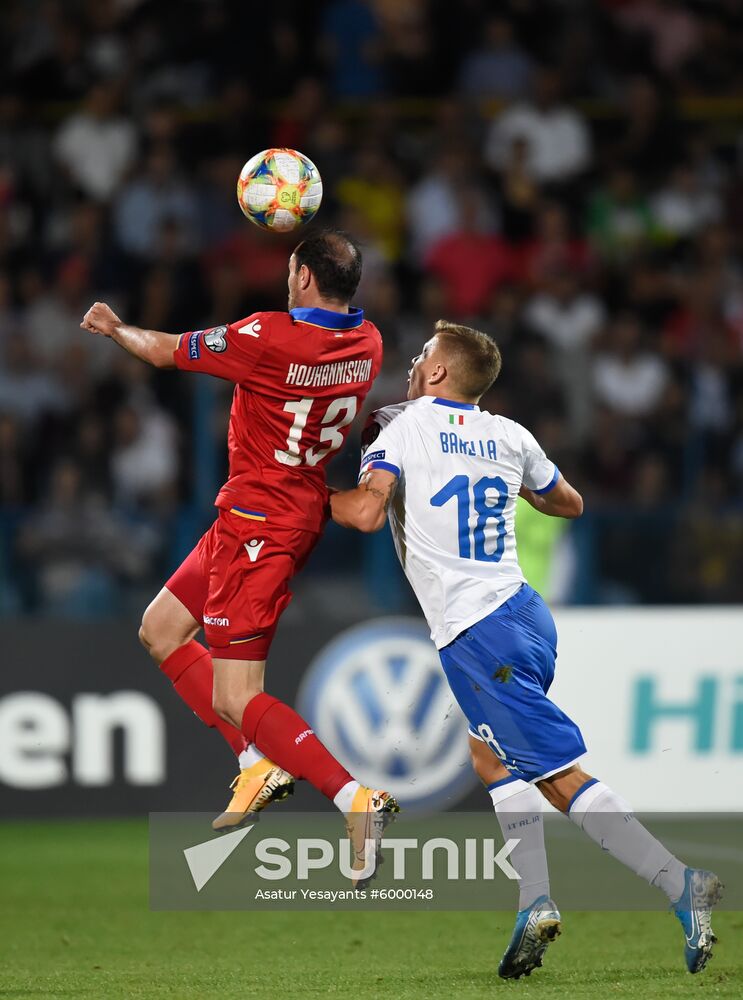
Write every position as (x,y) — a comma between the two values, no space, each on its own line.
(279,189)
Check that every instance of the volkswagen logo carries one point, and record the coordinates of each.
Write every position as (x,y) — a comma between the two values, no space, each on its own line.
(378,698)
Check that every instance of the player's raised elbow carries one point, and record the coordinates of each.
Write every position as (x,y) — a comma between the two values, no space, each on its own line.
(162,357)
(160,349)
(574,508)
(563,501)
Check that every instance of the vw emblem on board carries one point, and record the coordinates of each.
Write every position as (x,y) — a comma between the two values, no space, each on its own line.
(378,698)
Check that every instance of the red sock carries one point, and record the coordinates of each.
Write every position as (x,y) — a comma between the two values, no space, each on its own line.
(190,669)
(287,739)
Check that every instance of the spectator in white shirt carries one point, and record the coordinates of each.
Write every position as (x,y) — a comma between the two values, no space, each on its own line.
(144,460)
(566,315)
(684,206)
(96,145)
(557,136)
(627,379)
(569,318)
(158,194)
(434,204)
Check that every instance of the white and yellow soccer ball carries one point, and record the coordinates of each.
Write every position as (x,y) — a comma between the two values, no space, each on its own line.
(279,189)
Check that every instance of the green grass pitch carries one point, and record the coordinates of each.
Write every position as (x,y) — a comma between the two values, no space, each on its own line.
(74,922)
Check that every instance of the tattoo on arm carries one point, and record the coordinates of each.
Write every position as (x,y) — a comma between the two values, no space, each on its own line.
(384,495)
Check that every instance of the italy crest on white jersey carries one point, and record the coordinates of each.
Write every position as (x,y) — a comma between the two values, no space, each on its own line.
(460,470)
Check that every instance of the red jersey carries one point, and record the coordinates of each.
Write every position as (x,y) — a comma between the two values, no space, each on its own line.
(300,379)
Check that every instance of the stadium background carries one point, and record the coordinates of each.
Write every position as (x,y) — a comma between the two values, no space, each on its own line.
(602,252)
(565,175)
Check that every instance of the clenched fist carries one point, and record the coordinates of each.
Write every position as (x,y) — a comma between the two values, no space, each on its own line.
(100,319)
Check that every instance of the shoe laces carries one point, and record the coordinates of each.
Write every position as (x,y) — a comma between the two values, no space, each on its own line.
(240,780)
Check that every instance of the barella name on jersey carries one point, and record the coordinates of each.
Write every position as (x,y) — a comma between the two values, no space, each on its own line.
(339,373)
(452,444)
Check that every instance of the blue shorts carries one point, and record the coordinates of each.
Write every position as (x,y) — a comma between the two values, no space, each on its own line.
(500,671)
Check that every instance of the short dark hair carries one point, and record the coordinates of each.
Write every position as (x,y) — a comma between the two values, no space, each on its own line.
(334,258)
(474,358)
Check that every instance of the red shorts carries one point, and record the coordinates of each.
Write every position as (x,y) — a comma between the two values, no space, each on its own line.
(236,582)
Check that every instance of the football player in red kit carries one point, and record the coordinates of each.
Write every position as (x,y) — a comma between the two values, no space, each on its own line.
(300,378)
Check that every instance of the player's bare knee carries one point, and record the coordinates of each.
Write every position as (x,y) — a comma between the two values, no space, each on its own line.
(252,691)
(161,635)
(224,711)
(228,708)
(159,646)
(148,636)
(148,628)
(221,705)
(232,708)
(143,636)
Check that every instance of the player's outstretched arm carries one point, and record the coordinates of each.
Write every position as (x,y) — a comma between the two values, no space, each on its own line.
(152,346)
(561,501)
(365,507)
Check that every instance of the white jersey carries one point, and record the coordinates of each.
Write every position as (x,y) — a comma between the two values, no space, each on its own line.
(460,470)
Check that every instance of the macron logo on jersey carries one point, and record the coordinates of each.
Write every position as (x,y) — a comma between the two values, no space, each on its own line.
(253,548)
(251,329)
(340,373)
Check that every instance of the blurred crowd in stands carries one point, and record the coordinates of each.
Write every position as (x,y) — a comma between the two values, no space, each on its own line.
(566,175)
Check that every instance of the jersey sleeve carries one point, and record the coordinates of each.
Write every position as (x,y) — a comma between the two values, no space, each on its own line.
(540,474)
(230,352)
(382,444)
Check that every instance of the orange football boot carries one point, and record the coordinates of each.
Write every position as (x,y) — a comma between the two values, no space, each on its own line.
(253,789)
(371,812)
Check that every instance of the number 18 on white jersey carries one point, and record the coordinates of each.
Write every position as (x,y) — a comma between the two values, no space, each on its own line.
(460,470)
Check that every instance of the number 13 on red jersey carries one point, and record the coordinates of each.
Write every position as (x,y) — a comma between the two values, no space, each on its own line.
(338,415)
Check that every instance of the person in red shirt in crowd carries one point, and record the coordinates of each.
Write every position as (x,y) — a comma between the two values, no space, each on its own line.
(553,249)
(300,379)
(699,329)
(470,263)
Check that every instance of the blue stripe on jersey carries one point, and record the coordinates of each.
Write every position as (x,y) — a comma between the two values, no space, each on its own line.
(550,485)
(453,402)
(253,515)
(387,466)
(329,319)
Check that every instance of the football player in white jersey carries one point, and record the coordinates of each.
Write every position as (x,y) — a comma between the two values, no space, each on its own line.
(448,474)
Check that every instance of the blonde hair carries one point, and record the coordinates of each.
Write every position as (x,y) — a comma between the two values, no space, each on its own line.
(474,358)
